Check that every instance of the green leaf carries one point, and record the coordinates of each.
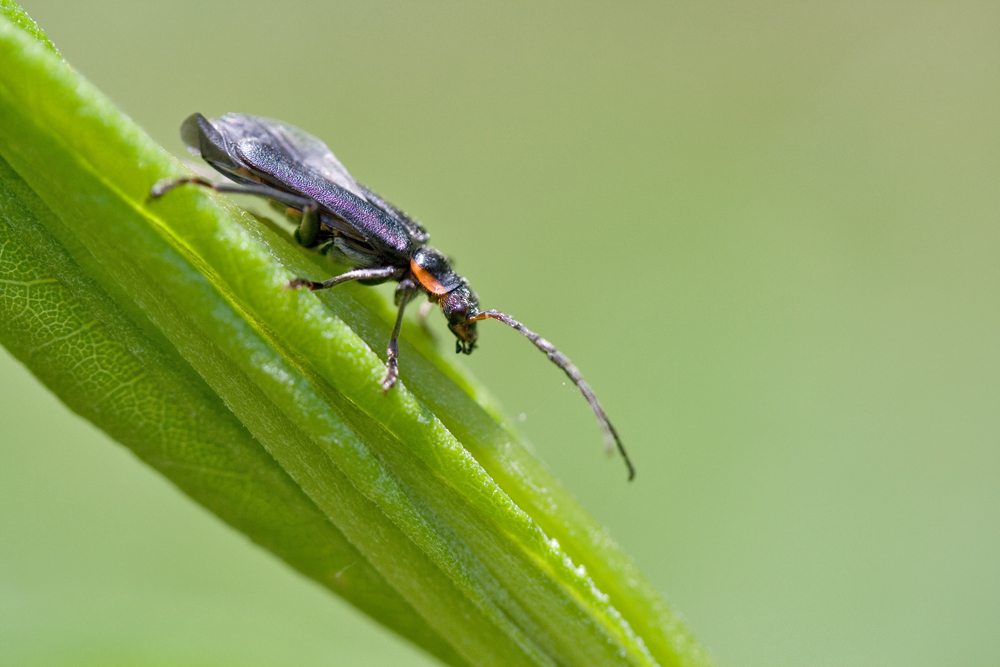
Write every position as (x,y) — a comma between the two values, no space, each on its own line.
(77,341)
(165,324)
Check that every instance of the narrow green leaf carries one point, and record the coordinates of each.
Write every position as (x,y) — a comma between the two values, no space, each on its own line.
(75,339)
(427,483)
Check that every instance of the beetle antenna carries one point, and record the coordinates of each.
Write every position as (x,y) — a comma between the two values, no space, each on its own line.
(611,439)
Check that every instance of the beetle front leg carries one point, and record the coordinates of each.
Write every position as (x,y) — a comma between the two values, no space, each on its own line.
(425,310)
(403,293)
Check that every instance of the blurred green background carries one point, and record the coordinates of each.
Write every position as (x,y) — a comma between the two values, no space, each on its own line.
(767,233)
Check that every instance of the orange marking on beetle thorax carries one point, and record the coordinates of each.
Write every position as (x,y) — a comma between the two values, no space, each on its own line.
(429,282)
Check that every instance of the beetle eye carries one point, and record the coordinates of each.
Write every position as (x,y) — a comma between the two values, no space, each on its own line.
(456,308)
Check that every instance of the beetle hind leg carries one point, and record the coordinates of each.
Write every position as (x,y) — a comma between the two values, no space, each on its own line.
(308,230)
(305,234)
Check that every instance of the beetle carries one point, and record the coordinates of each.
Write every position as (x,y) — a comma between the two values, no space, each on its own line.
(343,218)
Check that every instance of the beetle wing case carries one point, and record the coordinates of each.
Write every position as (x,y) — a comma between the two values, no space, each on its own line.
(286,158)
(204,141)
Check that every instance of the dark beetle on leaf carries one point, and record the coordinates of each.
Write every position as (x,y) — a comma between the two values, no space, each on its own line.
(339,216)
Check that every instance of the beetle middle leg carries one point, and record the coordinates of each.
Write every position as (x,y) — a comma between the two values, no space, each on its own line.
(405,290)
(383,273)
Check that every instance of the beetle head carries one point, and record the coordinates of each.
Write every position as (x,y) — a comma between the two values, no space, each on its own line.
(459,306)
(458,303)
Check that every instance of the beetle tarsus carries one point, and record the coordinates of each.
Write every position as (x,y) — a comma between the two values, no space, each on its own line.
(391,367)
(163,187)
(296,283)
